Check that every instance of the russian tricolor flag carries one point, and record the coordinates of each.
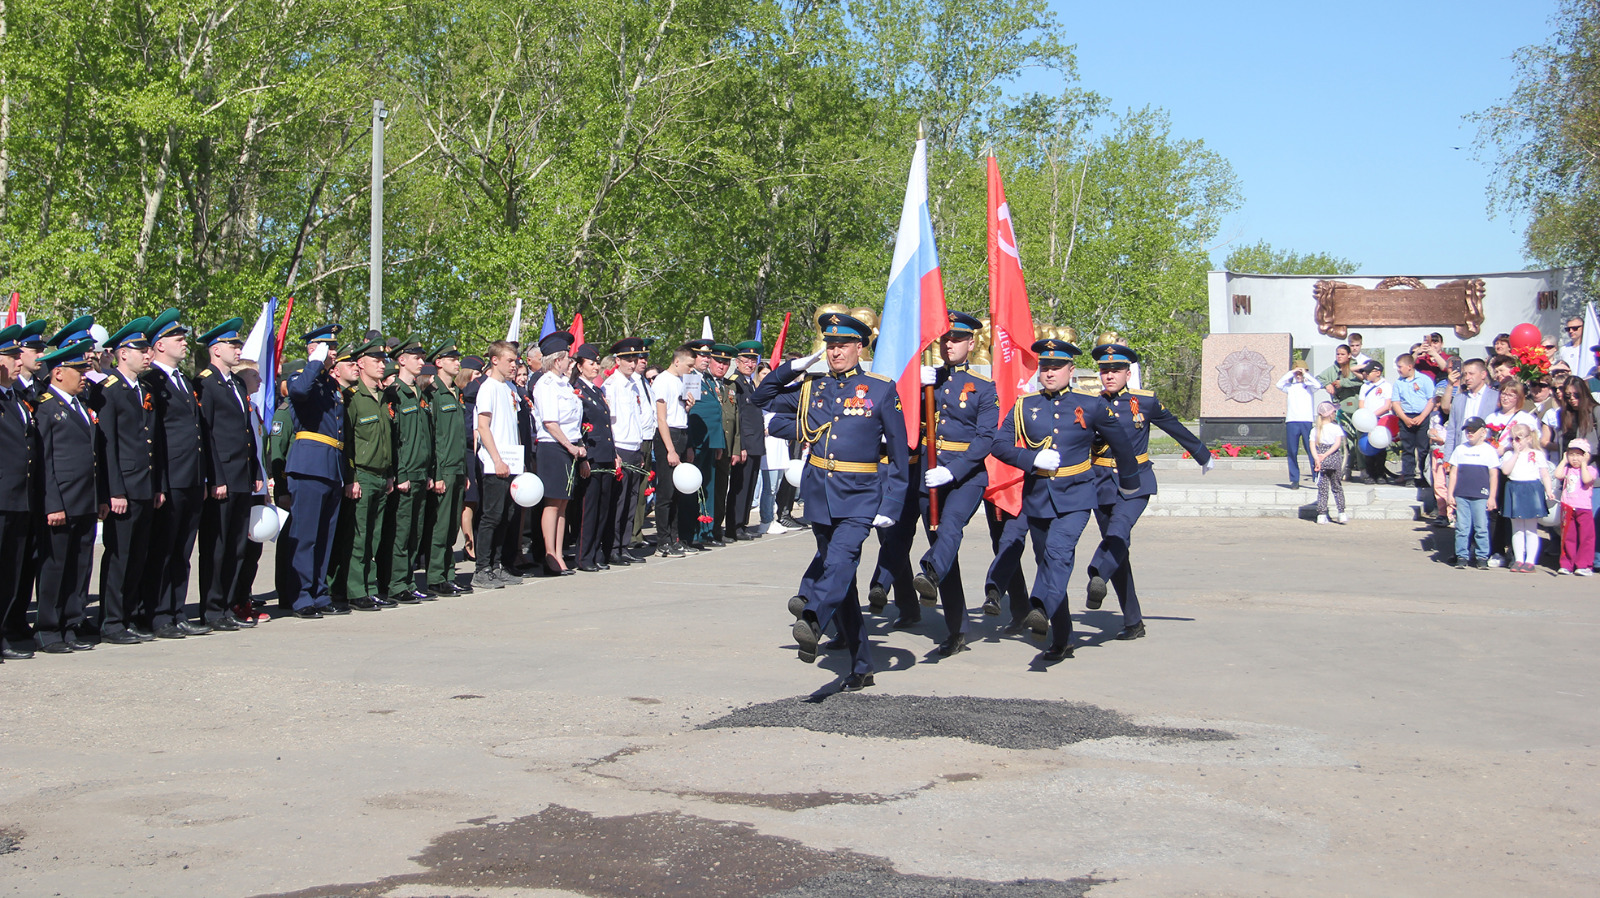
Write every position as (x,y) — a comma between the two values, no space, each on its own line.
(914,312)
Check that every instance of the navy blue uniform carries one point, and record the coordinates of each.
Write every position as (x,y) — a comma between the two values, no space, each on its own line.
(233,460)
(67,436)
(317,474)
(845,417)
(180,457)
(968,412)
(20,488)
(1138,410)
(1057,504)
(127,440)
(596,529)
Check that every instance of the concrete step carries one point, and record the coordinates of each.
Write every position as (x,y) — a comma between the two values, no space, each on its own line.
(1373,512)
(1186,494)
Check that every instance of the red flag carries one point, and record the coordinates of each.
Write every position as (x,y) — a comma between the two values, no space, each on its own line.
(577,331)
(777,349)
(1011,328)
(283,332)
(11,318)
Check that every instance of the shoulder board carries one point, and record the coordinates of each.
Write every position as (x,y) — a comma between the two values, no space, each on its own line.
(1142,392)
(976,376)
(47,397)
(114,380)
(208,372)
(1082,392)
(876,376)
(1027,395)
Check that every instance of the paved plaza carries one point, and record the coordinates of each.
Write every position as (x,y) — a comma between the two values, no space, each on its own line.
(1316,711)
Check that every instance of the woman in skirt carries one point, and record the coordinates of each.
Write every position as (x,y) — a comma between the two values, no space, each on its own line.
(559,411)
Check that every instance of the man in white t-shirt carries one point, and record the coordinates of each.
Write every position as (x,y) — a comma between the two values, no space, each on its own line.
(501,451)
(672,447)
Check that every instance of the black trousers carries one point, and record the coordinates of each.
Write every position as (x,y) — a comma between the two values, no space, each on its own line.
(641,502)
(742,480)
(225,523)
(250,563)
(625,497)
(172,538)
(494,496)
(596,526)
(123,598)
(16,578)
(66,556)
(667,499)
(284,581)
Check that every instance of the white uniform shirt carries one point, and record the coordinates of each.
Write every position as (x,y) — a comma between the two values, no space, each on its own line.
(628,410)
(556,399)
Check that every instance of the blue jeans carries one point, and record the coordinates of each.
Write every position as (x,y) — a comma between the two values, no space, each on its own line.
(1472,522)
(1297,434)
(768,489)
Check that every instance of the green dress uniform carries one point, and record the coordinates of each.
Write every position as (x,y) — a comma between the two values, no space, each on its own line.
(728,398)
(369,460)
(451,444)
(414,470)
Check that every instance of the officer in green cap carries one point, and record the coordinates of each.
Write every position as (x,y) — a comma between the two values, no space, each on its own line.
(280,435)
(72,499)
(451,444)
(233,474)
(30,345)
(127,421)
(745,471)
(707,443)
(180,455)
(19,442)
(722,371)
(369,457)
(413,472)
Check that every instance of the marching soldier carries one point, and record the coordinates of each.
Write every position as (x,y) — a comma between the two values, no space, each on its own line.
(413,473)
(181,459)
(369,457)
(67,436)
(1119,511)
(967,411)
(280,435)
(127,421)
(19,482)
(316,470)
(846,415)
(451,446)
(233,474)
(1050,435)
(632,417)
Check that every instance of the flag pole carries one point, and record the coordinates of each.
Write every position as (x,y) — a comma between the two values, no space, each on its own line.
(930,419)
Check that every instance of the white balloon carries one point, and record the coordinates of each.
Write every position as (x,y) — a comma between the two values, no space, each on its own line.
(1364,419)
(527,490)
(264,523)
(1552,518)
(1379,438)
(796,468)
(99,334)
(686,478)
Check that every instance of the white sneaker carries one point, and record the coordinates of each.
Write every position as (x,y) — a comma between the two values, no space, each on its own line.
(1497,560)
(1584,572)
(1344,517)
(1322,519)
(774,527)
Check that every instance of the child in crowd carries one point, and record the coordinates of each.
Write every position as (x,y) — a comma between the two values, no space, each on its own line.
(1327,454)
(1577,490)
(1528,486)
(1474,483)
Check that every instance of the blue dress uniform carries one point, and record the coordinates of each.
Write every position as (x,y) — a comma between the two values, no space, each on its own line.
(1139,410)
(233,461)
(19,483)
(67,436)
(844,416)
(967,412)
(317,475)
(127,421)
(1057,503)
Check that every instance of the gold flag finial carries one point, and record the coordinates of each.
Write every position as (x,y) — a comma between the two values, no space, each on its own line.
(922,132)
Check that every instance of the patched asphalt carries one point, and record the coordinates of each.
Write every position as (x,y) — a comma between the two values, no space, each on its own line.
(1000,722)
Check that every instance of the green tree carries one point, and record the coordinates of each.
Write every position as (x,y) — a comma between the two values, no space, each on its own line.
(1262,258)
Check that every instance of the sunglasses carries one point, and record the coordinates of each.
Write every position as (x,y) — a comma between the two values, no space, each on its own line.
(1571,329)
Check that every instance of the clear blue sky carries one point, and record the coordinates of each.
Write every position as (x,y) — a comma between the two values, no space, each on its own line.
(1339,119)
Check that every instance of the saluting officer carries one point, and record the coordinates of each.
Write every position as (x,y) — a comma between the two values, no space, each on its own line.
(1118,511)
(745,470)
(19,483)
(128,422)
(597,470)
(451,446)
(1050,435)
(413,472)
(369,457)
(233,473)
(72,499)
(316,469)
(845,415)
(180,456)
(967,411)
(32,344)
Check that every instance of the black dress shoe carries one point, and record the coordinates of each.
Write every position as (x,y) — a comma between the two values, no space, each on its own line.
(442,590)
(302,613)
(120,637)
(244,623)
(77,645)
(223,623)
(144,634)
(619,558)
(954,645)
(877,598)
(56,648)
(1134,632)
(906,620)
(926,583)
(190,628)
(462,587)
(382,602)
(797,606)
(751,534)
(364,603)
(422,596)
(589,568)
(170,631)
(404,597)
(1037,623)
(857,682)
(741,535)
(635,557)
(991,602)
(1097,592)
(335,608)
(805,633)
(698,547)
(1056,653)
(717,541)
(16,654)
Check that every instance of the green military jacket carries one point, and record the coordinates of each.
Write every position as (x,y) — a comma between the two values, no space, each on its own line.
(369,443)
(449,428)
(729,396)
(279,435)
(413,432)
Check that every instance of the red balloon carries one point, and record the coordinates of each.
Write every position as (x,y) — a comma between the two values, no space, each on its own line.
(1524,335)
(1392,424)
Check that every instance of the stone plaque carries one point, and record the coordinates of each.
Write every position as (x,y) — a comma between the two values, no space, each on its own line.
(1399,302)
(1239,375)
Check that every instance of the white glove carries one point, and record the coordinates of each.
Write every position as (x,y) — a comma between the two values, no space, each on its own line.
(937,476)
(317,353)
(881,521)
(1047,460)
(929,376)
(820,366)
(1206,468)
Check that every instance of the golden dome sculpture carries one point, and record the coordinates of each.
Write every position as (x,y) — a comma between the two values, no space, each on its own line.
(870,319)
(982,344)
(1108,338)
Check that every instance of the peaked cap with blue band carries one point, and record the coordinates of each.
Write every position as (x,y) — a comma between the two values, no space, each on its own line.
(133,335)
(963,324)
(1051,349)
(166,325)
(226,332)
(328,333)
(31,336)
(9,344)
(77,329)
(76,354)
(1108,354)
(838,326)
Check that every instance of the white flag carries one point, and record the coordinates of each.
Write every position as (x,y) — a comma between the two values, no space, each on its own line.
(514,333)
(705,329)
